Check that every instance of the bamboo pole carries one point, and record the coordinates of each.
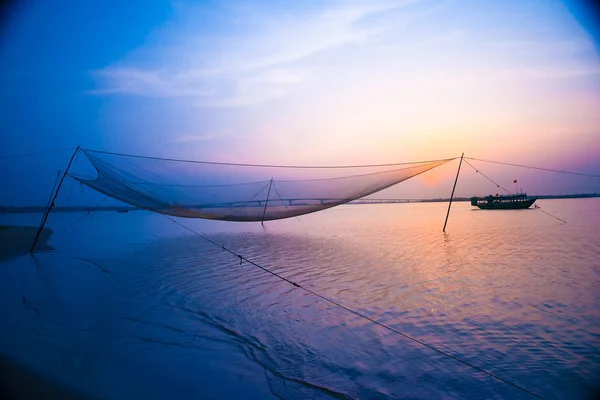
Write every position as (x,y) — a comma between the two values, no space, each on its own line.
(45,217)
(266,202)
(452,195)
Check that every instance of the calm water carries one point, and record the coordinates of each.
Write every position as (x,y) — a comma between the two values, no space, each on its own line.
(134,305)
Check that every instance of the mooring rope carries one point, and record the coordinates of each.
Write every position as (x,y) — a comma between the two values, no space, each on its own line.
(89,212)
(498,185)
(487,177)
(546,212)
(8,177)
(36,153)
(253,197)
(266,165)
(357,313)
(538,168)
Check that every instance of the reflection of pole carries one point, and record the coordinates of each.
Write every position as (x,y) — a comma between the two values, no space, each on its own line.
(45,217)
(266,202)
(452,195)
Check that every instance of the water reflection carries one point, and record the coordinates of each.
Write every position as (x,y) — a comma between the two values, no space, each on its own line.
(517,301)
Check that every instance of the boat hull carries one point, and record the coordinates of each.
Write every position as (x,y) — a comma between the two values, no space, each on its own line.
(516,205)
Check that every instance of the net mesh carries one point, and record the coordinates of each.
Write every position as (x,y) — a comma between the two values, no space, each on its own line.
(238,192)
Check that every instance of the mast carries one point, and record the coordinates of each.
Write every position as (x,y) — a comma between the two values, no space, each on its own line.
(453,187)
(51,204)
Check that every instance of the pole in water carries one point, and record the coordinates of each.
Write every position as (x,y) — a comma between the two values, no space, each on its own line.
(453,187)
(51,204)
(266,202)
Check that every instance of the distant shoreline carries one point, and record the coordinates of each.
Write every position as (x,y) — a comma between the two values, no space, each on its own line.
(40,209)
(539,196)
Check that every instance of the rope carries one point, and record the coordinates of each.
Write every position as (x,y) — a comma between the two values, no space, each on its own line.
(278,195)
(90,177)
(35,154)
(83,217)
(291,181)
(487,177)
(357,313)
(280,198)
(150,172)
(360,175)
(265,165)
(73,181)
(253,197)
(75,175)
(545,212)
(49,204)
(26,174)
(71,190)
(490,179)
(538,168)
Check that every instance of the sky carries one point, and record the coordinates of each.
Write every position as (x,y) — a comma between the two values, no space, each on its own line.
(311,82)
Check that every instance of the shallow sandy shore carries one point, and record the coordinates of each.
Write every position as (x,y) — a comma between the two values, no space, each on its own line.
(17,240)
(18,382)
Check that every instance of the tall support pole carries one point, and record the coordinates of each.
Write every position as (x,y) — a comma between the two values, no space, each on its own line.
(266,202)
(453,187)
(45,217)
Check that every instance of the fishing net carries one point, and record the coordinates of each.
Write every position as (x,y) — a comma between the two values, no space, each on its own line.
(238,192)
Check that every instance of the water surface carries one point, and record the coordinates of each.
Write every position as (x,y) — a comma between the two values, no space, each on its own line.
(135,305)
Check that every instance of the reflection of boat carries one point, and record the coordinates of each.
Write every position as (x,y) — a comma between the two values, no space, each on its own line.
(508,202)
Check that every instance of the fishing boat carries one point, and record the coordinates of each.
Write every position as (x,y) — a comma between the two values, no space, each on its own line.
(508,202)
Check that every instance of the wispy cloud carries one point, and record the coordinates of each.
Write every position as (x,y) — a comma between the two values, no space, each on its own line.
(244,68)
(449,36)
(199,137)
(565,48)
(551,72)
(148,82)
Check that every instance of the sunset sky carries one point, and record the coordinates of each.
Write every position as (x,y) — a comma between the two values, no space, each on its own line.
(312,82)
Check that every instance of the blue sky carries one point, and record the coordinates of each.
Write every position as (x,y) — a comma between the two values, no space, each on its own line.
(317,82)
(48,53)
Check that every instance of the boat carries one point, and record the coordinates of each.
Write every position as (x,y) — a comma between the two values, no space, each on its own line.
(517,201)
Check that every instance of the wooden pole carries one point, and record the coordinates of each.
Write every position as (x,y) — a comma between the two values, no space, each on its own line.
(452,195)
(45,217)
(266,202)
